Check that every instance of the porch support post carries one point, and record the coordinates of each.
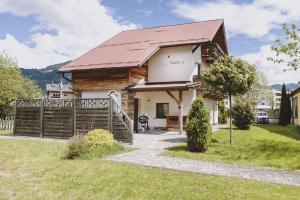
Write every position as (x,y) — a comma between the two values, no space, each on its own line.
(179,102)
(180,108)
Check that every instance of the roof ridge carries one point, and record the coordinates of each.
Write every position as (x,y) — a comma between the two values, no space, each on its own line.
(168,25)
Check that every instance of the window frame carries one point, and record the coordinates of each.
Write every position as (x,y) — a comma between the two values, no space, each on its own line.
(164,114)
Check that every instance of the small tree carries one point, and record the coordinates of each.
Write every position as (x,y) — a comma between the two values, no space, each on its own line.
(232,76)
(13,85)
(288,49)
(222,117)
(198,128)
(243,115)
(285,114)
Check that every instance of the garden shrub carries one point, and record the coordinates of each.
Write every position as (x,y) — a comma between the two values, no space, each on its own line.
(76,147)
(95,144)
(99,137)
(222,117)
(243,115)
(198,129)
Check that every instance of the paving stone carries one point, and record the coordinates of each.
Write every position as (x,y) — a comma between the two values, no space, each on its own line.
(149,148)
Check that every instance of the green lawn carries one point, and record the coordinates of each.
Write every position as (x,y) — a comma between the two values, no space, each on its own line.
(6,132)
(35,170)
(265,145)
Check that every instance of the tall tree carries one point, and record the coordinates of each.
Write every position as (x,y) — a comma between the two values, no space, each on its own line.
(232,76)
(285,114)
(13,85)
(288,49)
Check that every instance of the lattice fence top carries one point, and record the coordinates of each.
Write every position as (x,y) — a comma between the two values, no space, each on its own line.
(58,103)
(63,103)
(92,103)
(28,103)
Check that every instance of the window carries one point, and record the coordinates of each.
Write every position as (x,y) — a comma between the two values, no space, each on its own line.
(295,107)
(162,110)
(56,95)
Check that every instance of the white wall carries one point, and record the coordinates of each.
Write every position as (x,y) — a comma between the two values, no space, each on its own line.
(212,107)
(148,100)
(173,64)
(100,94)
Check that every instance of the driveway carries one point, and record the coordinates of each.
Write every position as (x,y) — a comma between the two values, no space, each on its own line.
(149,148)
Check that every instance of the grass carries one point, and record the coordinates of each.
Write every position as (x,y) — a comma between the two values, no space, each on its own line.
(6,132)
(35,170)
(265,145)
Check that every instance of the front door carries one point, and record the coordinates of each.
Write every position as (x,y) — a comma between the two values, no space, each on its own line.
(136,115)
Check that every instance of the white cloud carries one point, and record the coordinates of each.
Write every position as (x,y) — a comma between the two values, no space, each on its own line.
(273,72)
(254,19)
(78,25)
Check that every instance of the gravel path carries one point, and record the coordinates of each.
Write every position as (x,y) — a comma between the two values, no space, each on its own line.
(150,146)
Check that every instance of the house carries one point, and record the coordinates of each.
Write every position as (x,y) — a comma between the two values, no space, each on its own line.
(153,71)
(59,91)
(295,95)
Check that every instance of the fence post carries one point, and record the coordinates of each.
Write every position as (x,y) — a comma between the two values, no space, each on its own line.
(42,117)
(74,115)
(111,115)
(131,131)
(15,117)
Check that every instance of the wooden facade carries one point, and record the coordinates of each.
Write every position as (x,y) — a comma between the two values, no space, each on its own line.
(113,79)
(100,79)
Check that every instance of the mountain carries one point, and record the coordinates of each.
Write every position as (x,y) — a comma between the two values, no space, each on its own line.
(44,75)
(289,86)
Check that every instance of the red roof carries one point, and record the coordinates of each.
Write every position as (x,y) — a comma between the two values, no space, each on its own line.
(134,47)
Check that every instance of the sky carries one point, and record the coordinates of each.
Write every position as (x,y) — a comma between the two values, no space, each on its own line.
(39,33)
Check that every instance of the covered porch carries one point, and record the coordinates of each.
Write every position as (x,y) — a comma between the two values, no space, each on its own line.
(167,104)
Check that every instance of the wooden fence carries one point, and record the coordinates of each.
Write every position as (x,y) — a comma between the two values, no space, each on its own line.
(63,118)
(7,123)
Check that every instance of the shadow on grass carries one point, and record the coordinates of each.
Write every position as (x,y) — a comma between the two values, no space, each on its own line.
(264,152)
(228,128)
(290,131)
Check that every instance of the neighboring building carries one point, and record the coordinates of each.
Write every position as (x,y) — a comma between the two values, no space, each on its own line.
(153,71)
(226,101)
(295,95)
(277,98)
(59,91)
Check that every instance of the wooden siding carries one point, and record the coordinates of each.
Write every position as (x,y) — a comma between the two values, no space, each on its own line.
(138,73)
(100,79)
(173,123)
(108,79)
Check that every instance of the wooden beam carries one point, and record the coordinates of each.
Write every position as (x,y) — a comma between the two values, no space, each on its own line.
(194,49)
(180,107)
(172,96)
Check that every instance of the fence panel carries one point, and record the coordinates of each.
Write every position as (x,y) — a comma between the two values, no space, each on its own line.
(28,117)
(91,114)
(65,117)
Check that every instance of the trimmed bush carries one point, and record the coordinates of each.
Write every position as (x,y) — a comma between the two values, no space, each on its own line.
(243,115)
(76,147)
(222,117)
(198,129)
(99,137)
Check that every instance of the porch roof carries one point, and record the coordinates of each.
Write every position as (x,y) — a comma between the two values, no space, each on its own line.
(164,86)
